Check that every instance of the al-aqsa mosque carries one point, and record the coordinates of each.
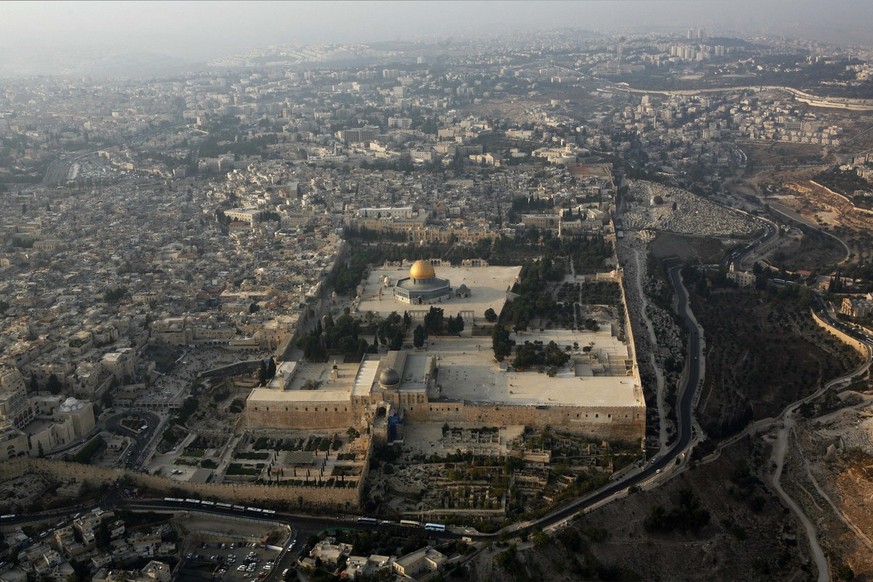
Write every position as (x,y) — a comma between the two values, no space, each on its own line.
(422,286)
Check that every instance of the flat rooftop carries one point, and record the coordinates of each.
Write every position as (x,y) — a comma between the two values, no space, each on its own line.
(267,395)
(366,376)
(328,388)
(37,426)
(488,287)
(467,371)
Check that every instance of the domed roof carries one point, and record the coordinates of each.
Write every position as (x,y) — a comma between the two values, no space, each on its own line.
(421,269)
(389,377)
(71,404)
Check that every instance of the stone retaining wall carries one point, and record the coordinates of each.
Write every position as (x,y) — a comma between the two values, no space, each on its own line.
(310,498)
(859,346)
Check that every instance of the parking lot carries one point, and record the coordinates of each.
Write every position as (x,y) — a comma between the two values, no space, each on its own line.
(229,548)
(229,560)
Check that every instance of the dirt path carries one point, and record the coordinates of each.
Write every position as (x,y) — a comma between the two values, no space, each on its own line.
(842,516)
(777,457)
(653,341)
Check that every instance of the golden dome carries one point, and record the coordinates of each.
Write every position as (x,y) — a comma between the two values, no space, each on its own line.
(421,270)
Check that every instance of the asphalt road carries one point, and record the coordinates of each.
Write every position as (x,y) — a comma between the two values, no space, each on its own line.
(304,525)
(141,440)
(307,525)
(685,402)
(740,255)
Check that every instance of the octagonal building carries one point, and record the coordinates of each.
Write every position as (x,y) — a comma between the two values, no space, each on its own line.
(422,286)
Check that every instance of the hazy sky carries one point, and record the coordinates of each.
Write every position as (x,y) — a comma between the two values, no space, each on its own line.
(200,30)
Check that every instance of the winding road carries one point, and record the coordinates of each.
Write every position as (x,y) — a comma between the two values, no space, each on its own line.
(784,425)
(778,459)
(693,379)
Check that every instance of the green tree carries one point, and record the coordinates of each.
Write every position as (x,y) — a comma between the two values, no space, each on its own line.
(395,342)
(262,374)
(418,336)
(114,295)
(53,385)
(500,342)
(490,315)
(433,321)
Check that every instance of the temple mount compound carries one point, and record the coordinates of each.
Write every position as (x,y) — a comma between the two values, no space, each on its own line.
(422,286)
(594,389)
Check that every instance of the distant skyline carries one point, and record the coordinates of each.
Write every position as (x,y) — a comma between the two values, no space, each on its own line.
(198,31)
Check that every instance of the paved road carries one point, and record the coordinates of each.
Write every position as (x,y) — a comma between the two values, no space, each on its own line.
(305,525)
(784,425)
(141,439)
(741,256)
(693,379)
(792,216)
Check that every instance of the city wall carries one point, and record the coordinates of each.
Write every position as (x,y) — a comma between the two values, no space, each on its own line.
(628,329)
(324,498)
(297,415)
(623,424)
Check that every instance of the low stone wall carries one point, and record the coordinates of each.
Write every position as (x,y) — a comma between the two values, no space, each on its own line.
(329,498)
(859,346)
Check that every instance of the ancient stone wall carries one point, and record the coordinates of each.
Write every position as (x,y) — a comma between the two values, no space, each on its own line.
(309,498)
(626,424)
(859,346)
(629,331)
(299,415)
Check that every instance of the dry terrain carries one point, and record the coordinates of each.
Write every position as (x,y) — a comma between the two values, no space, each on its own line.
(831,474)
(691,249)
(763,352)
(746,535)
(832,213)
